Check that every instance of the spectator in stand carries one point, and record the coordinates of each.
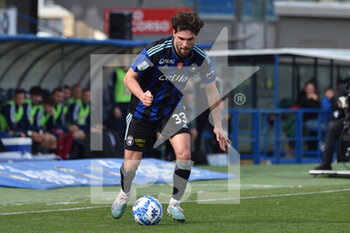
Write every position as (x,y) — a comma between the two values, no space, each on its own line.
(68,100)
(326,105)
(41,139)
(15,115)
(309,98)
(43,125)
(76,95)
(47,121)
(67,94)
(81,115)
(78,112)
(59,127)
(58,115)
(120,98)
(34,102)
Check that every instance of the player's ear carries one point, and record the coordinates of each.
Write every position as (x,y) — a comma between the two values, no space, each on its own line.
(174,32)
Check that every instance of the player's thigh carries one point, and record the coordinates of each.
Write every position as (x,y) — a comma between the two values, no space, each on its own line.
(140,134)
(48,137)
(182,146)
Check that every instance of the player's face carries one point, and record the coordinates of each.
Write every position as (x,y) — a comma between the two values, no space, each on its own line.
(36,99)
(66,93)
(184,42)
(77,93)
(58,97)
(19,99)
(86,97)
(48,108)
(310,88)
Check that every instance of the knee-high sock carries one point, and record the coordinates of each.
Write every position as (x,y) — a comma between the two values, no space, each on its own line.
(126,179)
(181,174)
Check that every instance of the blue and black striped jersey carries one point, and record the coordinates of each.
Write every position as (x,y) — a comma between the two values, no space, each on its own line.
(161,55)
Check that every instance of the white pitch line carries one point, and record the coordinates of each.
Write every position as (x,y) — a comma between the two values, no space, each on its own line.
(273,195)
(64,203)
(246,185)
(55,210)
(191,201)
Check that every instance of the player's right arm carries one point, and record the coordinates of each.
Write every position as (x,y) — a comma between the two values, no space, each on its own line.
(130,81)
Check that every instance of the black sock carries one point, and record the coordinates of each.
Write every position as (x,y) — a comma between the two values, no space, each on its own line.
(180,180)
(126,179)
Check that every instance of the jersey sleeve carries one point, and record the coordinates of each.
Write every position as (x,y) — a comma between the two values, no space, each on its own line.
(207,71)
(141,63)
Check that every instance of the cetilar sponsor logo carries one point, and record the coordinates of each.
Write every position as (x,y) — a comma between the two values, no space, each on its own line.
(174,78)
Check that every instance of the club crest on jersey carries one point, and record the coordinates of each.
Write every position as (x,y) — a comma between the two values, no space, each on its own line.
(193,67)
(180,65)
(210,74)
(129,140)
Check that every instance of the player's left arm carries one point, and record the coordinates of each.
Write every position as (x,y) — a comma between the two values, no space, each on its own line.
(215,107)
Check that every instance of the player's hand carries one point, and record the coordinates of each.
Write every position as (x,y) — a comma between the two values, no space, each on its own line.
(147,98)
(73,128)
(312,96)
(222,139)
(36,137)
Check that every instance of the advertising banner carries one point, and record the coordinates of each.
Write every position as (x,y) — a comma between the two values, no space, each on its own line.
(146,21)
(91,172)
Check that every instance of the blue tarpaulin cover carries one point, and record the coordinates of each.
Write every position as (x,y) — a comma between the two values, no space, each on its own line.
(59,174)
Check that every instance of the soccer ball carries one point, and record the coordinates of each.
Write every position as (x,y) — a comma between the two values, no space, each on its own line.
(147,211)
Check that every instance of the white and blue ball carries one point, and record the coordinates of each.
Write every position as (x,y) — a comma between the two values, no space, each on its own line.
(147,211)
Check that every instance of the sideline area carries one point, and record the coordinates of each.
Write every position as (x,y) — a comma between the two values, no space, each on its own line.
(86,172)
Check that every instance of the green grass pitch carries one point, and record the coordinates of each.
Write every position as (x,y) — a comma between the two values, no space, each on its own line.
(281,198)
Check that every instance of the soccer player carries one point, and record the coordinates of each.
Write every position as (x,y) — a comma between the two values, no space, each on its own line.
(154,101)
(15,115)
(120,98)
(34,102)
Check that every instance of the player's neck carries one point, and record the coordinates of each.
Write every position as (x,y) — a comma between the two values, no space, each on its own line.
(178,54)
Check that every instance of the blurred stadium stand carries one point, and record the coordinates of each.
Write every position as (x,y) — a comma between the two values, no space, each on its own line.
(28,60)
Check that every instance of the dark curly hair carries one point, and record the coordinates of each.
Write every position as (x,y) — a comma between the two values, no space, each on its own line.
(49,100)
(186,20)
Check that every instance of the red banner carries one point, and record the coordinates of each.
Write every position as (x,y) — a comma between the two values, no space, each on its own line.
(147,21)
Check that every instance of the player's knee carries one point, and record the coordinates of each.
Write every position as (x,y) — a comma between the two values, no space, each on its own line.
(184,155)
